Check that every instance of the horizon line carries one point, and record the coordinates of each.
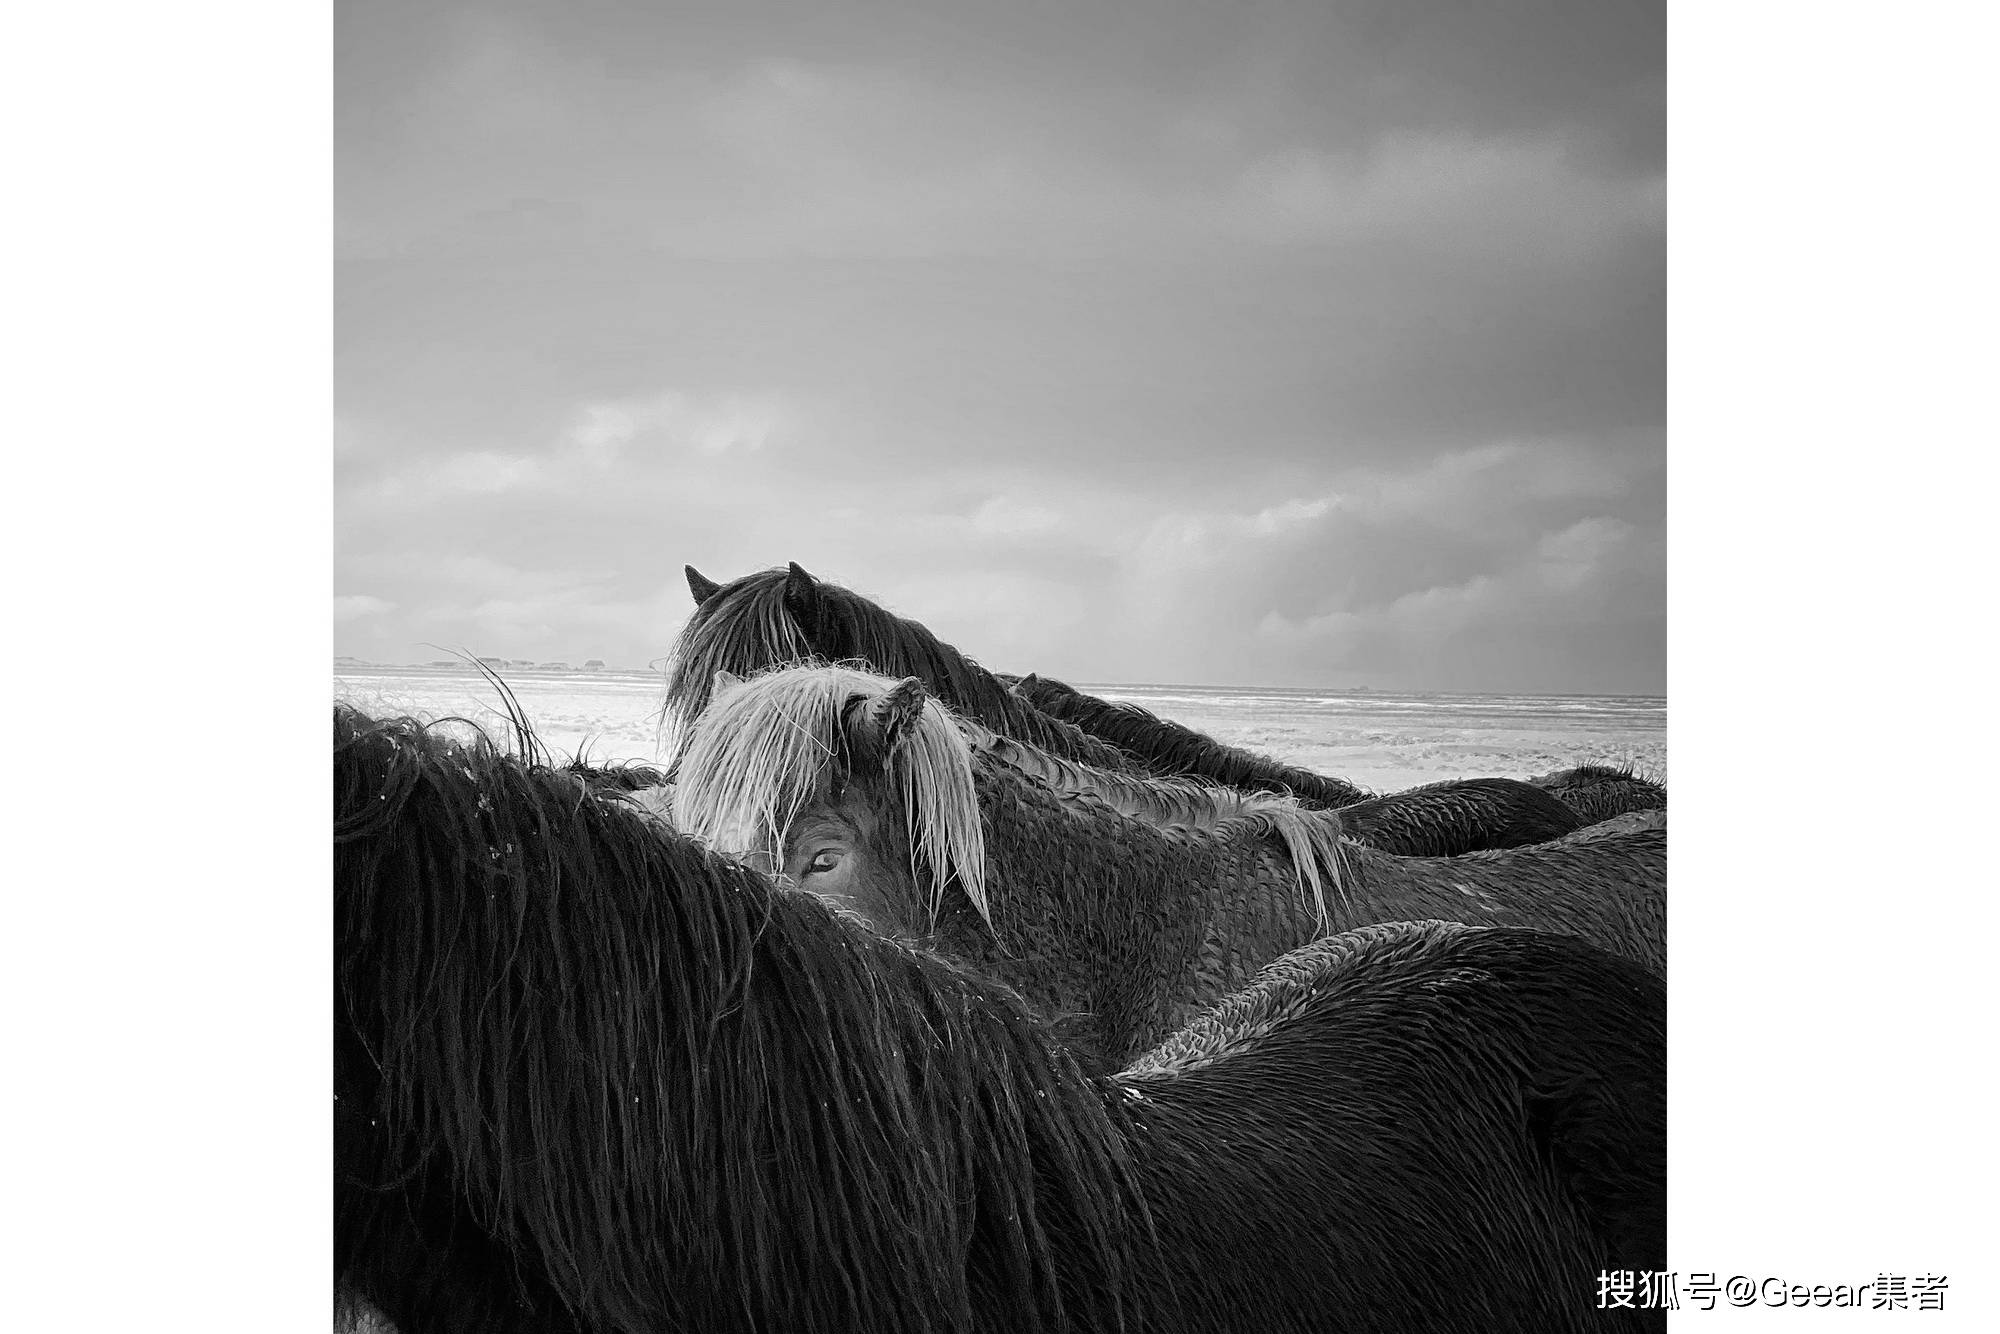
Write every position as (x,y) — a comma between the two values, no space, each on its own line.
(1364,689)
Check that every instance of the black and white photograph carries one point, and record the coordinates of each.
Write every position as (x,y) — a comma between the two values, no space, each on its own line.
(1062,621)
(1004,667)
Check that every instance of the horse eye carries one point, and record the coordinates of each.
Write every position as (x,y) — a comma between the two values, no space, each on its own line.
(824,860)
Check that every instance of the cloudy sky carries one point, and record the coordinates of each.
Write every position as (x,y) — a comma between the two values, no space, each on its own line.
(1299,344)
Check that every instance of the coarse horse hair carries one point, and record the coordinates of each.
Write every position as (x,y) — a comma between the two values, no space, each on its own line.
(1118,905)
(1614,894)
(1613,826)
(769,746)
(1457,816)
(1116,926)
(1598,791)
(774,618)
(611,1081)
(591,1078)
(1443,819)
(1168,747)
(625,776)
(1162,799)
(759,756)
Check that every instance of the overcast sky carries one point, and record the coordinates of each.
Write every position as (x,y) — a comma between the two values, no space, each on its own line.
(1232,343)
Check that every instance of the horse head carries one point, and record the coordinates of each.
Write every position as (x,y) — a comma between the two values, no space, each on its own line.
(850,785)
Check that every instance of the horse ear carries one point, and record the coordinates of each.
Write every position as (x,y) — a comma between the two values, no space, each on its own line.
(722,682)
(700,585)
(801,592)
(1027,683)
(894,712)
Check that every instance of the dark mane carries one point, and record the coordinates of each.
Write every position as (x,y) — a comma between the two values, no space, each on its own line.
(1585,774)
(1458,816)
(591,1078)
(1169,748)
(671,1095)
(628,776)
(1598,791)
(774,617)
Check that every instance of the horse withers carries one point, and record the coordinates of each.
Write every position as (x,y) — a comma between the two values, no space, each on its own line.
(592,1077)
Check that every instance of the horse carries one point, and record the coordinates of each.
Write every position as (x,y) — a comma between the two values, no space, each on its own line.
(1117,907)
(1443,819)
(1435,820)
(1167,747)
(1598,792)
(776,617)
(591,1077)
(1457,816)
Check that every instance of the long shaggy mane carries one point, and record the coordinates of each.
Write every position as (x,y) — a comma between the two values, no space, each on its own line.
(657,1092)
(1168,747)
(590,1077)
(768,747)
(751,625)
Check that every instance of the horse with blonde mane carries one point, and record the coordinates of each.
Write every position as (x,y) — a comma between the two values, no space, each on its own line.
(1119,906)
(780,617)
(775,618)
(590,1077)
(1118,928)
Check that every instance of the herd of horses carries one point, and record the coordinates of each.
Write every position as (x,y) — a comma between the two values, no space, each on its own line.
(903,995)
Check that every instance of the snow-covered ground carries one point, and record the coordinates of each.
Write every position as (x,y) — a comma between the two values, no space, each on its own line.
(1378,740)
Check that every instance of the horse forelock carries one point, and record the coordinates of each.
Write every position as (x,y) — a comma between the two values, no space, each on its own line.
(752,761)
(777,744)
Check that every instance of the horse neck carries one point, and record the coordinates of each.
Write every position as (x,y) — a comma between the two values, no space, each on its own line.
(746,1088)
(1097,913)
(976,693)
(1156,801)
(1168,747)
(1610,891)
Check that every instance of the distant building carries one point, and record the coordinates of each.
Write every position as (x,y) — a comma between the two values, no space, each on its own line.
(551,666)
(495,663)
(594,665)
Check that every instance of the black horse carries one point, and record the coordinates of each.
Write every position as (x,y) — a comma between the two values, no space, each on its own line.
(1598,791)
(590,1077)
(1167,747)
(774,618)
(778,617)
(1457,816)
(1117,904)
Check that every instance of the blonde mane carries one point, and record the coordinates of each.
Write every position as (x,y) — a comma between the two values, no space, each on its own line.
(767,747)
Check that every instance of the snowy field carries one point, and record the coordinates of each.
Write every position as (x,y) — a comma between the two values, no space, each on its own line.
(1379,740)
